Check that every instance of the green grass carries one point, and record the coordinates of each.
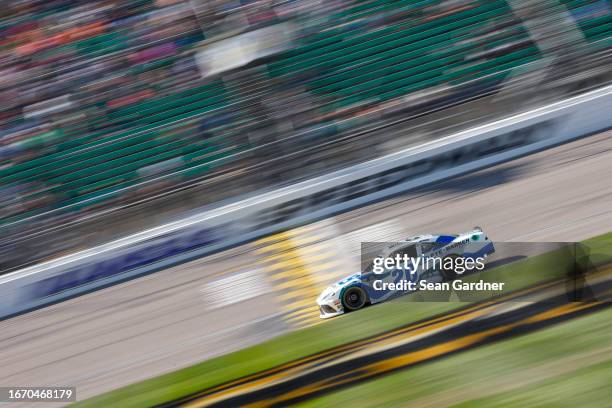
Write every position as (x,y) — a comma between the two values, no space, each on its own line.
(269,354)
(338,331)
(586,387)
(568,365)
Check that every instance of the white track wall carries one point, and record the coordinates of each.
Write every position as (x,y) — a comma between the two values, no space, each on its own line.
(236,223)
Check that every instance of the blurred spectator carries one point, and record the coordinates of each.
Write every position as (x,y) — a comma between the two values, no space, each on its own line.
(99,98)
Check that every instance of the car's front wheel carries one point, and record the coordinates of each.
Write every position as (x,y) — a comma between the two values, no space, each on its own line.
(354,298)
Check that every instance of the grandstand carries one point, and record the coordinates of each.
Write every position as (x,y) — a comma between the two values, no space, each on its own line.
(101,96)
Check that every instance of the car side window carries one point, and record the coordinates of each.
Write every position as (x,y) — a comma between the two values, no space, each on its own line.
(411,251)
(368,277)
(426,247)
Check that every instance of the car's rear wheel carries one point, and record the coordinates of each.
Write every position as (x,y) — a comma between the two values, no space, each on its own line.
(354,298)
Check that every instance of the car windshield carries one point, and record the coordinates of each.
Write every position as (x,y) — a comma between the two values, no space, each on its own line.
(409,250)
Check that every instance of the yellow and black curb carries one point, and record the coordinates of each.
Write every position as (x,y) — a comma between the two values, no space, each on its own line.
(299,263)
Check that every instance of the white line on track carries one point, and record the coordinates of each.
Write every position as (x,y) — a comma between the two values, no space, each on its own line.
(235,288)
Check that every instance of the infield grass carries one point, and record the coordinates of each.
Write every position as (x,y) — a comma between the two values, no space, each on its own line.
(338,331)
(569,365)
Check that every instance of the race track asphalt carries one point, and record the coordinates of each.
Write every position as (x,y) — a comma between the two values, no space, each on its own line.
(177,317)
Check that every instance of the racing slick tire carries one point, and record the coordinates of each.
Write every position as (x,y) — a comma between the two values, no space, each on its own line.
(354,298)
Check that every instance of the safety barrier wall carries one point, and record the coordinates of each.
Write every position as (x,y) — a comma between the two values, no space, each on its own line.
(233,224)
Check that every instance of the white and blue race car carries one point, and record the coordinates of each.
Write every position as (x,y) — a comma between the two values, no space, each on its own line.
(356,291)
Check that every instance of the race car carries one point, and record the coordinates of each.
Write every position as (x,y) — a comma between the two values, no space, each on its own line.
(357,291)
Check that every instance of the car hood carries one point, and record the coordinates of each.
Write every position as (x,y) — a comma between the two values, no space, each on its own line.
(334,289)
(349,280)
